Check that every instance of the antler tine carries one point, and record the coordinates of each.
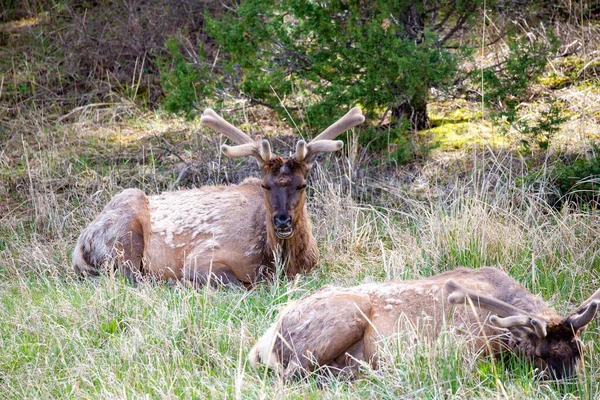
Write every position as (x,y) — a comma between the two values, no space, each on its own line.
(509,322)
(538,326)
(246,145)
(242,150)
(265,150)
(581,320)
(583,306)
(301,150)
(215,121)
(324,141)
(352,118)
(457,294)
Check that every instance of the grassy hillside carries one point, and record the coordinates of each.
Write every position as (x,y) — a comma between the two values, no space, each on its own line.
(65,337)
(473,200)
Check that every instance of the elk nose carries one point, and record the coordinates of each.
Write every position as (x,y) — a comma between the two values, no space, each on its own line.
(282,221)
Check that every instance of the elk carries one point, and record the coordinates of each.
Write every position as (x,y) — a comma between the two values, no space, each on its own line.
(221,234)
(337,328)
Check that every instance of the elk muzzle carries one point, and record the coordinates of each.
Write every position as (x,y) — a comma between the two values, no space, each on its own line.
(283,226)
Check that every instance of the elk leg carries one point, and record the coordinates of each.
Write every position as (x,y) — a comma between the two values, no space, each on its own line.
(217,275)
(348,361)
(323,331)
(130,250)
(115,237)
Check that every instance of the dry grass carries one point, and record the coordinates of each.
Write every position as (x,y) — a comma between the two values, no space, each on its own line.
(102,338)
(466,204)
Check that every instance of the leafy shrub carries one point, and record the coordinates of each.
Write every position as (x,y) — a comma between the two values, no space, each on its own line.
(185,84)
(542,128)
(321,57)
(579,181)
(506,87)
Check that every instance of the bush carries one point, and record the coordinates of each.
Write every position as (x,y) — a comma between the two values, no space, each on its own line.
(185,84)
(395,143)
(506,88)
(321,57)
(579,181)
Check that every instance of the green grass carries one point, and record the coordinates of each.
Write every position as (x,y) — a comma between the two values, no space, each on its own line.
(62,337)
(105,338)
(470,202)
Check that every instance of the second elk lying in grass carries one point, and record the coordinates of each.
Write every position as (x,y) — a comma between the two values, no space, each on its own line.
(336,327)
(225,234)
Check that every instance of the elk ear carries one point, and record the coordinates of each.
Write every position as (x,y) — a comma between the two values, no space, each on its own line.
(541,349)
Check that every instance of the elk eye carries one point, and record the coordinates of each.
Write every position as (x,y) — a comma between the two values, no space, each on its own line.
(265,187)
(302,187)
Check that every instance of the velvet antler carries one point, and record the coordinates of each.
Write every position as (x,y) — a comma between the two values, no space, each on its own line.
(324,141)
(246,146)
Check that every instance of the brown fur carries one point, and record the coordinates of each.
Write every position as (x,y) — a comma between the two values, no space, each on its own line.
(219,233)
(301,249)
(226,234)
(336,327)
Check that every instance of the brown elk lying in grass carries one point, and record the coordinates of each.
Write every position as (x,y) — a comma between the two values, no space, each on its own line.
(336,328)
(225,234)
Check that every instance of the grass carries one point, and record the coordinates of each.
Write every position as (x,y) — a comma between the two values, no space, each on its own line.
(62,337)
(467,204)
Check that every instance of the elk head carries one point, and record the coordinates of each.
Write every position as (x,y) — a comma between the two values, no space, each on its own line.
(283,180)
(553,344)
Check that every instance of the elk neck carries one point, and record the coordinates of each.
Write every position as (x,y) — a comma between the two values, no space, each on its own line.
(299,252)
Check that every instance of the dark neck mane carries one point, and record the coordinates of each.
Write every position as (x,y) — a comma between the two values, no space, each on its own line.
(299,253)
